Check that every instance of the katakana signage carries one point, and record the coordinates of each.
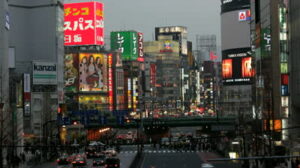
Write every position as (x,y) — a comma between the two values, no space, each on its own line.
(84,24)
(126,43)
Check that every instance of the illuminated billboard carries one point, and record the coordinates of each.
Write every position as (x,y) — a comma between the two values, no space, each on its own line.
(227,68)
(71,72)
(141,47)
(92,72)
(127,43)
(237,66)
(129,93)
(110,82)
(83,24)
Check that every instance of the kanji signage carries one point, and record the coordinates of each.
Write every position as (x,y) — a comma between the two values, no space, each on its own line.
(84,24)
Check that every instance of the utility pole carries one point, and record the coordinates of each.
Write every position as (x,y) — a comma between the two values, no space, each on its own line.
(1,134)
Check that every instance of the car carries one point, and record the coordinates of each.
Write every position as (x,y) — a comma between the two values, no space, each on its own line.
(112,163)
(110,152)
(99,160)
(79,161)
(63,160)
(207,165)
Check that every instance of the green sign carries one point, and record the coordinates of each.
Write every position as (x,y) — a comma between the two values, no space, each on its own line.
(126,42)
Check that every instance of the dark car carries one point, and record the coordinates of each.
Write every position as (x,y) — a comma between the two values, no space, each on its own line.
(90,152)
(63,160)
(79,161)
(112,163)
(99,160)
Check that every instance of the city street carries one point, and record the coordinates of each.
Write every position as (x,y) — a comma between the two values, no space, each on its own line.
(172,159)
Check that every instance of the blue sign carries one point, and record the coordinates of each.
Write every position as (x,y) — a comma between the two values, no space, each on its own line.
(284,90)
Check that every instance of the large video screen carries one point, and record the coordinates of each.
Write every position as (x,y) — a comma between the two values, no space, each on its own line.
(92,72)
(237,67)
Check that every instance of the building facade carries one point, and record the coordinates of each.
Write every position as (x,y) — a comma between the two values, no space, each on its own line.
(36,53)
(271,51)
(237,72)
(164,72)
(294,26)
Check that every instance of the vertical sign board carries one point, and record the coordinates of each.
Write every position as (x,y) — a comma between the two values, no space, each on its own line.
(152,74)
(83,24)
(27,94)
(129,93)
(134,93)
(126,42)
(141,47)
(110,82)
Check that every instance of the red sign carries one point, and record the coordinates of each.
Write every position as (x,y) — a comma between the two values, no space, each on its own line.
(141,47)
(284,79)
(110,82)
(152,74)
(212,56)
(84,24)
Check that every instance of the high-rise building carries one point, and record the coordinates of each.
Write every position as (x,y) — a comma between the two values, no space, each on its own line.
(5,114)
(36,52)
(179,34)
(164,72)
(237,73)
(206,47)
(294,62)
(270,48)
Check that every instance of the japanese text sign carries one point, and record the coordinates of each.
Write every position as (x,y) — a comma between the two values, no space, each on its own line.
(84,24)
(127,43)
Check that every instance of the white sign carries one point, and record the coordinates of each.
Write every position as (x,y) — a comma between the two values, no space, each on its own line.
(27,83)
(44,73)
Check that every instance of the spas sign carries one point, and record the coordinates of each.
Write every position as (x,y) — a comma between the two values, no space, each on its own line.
(84,24)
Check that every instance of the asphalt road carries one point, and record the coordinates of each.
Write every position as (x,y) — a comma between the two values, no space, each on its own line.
(174,159)
(126,157)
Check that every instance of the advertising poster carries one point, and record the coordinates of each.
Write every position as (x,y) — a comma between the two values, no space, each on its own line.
(247,70)
(92,72)
(83,24)
(71,72)
(125,42)
(227,68)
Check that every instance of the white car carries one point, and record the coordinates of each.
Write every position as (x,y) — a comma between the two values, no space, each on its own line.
(110,151)
(207,165)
